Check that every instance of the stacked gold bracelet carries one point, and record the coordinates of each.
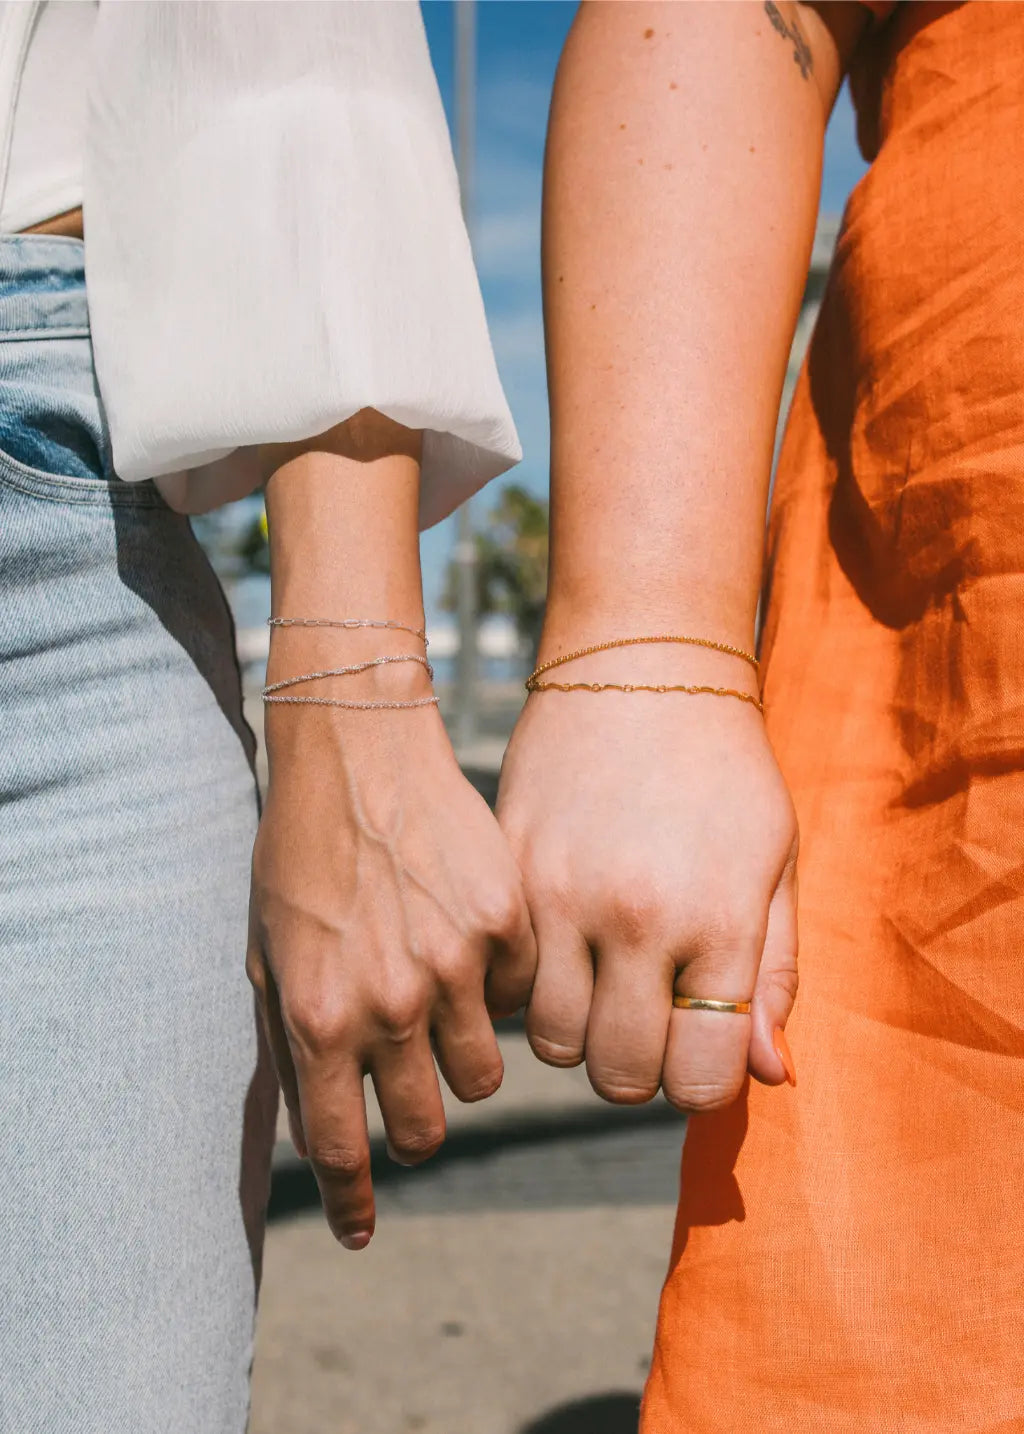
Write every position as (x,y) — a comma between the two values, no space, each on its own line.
(534,683)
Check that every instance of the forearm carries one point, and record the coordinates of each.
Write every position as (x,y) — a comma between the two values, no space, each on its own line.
(344,543)
(386,908)
(681,187)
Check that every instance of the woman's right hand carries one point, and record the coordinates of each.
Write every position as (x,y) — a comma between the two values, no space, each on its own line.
(657,843)
(387,916)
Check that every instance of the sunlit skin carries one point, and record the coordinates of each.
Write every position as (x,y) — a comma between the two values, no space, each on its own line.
(654,834)
(656,837)
(387,912)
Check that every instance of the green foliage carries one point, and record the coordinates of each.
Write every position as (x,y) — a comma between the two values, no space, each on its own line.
(254,547)
(512,563)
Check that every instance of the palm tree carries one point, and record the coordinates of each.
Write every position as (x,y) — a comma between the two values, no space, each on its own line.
(512,564)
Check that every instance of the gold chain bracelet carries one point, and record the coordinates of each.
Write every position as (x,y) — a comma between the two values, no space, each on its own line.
(534,684)
(694,691)
(639,642)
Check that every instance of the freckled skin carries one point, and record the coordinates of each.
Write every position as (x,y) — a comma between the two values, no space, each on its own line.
(703,306)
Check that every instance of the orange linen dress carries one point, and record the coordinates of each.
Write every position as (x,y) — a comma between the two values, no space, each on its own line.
(849,1255)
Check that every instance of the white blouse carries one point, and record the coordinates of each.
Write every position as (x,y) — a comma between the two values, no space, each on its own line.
(274,236)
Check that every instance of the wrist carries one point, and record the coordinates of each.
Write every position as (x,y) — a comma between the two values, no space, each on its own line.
(326,684)
(316,749)
(343,524)
(575,621)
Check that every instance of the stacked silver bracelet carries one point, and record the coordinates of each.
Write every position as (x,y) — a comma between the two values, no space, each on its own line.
(271,692)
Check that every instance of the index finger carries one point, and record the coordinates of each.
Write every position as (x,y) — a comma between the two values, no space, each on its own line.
(338,1143)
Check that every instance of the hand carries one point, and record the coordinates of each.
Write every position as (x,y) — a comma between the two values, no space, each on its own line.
(386,912)
(657,843)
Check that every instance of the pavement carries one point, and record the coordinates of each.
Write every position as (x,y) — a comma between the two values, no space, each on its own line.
(511,1287)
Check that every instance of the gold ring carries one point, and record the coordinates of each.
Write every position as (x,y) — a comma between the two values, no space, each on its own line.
(696,1003)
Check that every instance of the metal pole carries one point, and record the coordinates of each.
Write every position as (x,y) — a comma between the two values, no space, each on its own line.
(465,547)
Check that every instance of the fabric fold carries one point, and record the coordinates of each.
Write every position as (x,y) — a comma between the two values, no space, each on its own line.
(275,241)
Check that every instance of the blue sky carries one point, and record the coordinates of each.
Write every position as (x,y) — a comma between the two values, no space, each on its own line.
(519,42)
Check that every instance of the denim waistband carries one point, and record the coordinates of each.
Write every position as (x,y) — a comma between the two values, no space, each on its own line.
(42,287)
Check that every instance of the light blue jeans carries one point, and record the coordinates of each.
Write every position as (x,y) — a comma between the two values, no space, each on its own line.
(136,1103)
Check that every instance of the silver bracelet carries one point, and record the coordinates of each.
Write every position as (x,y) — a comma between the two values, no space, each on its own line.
(348,622)
(354,706)
(351,671)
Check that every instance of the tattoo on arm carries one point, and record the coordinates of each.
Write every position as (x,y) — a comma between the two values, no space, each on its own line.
(801,50)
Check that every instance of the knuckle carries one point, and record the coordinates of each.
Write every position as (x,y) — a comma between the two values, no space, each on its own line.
(501,912)
(633,911)
(457,966)
(339,1160)
(784,980)
(548,880)
(697,1097)
(314,1023)
(256,972)
(555,1052)
(480,1085)
(419,1144)
(402,1010)
(735,929)
(620,1091)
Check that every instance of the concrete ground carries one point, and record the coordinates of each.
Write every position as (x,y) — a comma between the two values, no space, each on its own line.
(512,1284)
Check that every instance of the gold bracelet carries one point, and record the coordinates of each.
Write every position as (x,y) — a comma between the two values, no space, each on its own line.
(639,642)
(533,683)
(694,691)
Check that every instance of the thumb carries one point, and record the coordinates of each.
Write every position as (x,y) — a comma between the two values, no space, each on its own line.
(770,1059)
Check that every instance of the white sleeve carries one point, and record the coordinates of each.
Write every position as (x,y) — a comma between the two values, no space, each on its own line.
(274,241)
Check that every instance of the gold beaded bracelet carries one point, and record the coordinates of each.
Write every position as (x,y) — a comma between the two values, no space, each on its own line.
(534,684)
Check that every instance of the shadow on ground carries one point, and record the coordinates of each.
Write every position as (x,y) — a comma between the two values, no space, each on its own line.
(607,1155)
(601,1414)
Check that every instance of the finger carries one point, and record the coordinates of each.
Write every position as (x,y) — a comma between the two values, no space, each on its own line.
(465,1044)
(409,1096)
(770,1058)
(334,1122)
(512,966)
(556,1018)
(628,1024)
(269,1003)
(706,1052)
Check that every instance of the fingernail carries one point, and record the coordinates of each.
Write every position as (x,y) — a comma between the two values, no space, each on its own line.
(406,1164)
(357,1241)
(784,1054)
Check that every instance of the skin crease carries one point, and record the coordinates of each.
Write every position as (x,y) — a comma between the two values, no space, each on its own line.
(655,834)
(387,912)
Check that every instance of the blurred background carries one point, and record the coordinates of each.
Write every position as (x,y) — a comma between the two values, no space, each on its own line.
(513,1282)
